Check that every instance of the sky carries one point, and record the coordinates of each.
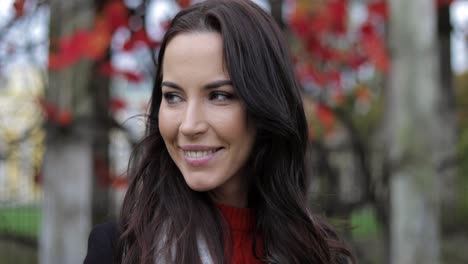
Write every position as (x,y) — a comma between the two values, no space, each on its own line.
(459,18)
(37,28)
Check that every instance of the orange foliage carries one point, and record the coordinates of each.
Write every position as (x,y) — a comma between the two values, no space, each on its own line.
(326,117)
(316,26)
(18,5)
(363,94)
(374,46)
(184,3)
(441,3)
(54,114)
(105,177)
(379,9)
(116,15)
(118,104)
(64,118)
(108,70)
(139,36)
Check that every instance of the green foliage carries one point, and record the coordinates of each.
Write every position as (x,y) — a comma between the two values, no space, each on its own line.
(364,223)
(367,122)
(461,86)
(20,221)
(16,253)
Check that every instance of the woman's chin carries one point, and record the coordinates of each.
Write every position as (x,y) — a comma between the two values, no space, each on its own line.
(200,186)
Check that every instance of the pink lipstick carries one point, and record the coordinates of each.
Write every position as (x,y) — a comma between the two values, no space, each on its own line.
(199,155)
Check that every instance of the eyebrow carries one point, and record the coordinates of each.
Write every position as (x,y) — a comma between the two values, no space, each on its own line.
(209,86)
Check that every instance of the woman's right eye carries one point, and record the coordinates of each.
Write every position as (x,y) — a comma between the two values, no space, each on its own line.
(172,98)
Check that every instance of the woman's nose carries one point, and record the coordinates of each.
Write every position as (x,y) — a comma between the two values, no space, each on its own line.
(194,120)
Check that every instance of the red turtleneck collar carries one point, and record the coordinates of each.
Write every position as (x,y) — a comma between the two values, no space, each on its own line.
(241,222)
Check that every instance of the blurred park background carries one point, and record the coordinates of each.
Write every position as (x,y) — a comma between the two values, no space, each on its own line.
(386,92)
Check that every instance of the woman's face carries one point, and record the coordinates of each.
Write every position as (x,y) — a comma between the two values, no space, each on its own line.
(201,119)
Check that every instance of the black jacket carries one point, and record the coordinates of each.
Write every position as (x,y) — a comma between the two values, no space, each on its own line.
(101,244)
(103,240)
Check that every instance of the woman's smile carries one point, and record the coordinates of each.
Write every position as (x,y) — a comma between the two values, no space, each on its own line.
(196,155)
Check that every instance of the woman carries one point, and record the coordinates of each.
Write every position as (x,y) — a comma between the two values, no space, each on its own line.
(221,178)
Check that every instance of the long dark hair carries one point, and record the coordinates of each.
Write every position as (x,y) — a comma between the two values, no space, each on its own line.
(163,218)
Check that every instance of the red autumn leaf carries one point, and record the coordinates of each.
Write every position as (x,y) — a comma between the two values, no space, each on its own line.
(56,62)
(319,77)
(337,14)
(116,14)
(184,3)
(334,77)
(319,24)
(53,114)
(50,110)
(308,72)
(326,117)
(133,77)
(98,43)
(118,104)
(362,94)
(64,118)
(101,171)
(331,54)
(38,178)
(300,24)
(441,3)
(322,52)
(367,29)
(69,50)
(330,18)
(355,60)
(139,36)
(108,70)
(374,46)
(18,5)
(105,177)
(314,46)
(338,96)
(378,8)
(165,24)
(302,71)
(78,44)
(119,182)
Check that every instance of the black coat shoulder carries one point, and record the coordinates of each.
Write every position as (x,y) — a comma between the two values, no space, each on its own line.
(102,242)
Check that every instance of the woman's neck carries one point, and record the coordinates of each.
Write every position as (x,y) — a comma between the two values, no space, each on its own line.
(235,200)
(234,192)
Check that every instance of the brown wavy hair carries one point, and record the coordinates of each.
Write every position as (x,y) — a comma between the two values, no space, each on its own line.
(163,218)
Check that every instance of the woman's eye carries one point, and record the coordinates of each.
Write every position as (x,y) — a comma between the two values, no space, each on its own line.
(221,96)
(172,98)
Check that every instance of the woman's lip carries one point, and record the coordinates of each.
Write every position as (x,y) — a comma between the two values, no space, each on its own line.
(198,148)
(201,161)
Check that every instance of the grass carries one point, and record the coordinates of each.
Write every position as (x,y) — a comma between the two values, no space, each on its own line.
(20,221)
(364,224)
(16,253)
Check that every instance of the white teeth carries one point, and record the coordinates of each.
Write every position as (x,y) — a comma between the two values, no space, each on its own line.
(198,154)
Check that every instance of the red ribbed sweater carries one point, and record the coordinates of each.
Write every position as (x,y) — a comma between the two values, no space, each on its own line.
(241,223)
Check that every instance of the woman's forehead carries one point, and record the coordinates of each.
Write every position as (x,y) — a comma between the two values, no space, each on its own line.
(189,53)
(194,59)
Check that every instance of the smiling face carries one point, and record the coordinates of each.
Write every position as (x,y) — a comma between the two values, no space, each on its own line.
(201,119)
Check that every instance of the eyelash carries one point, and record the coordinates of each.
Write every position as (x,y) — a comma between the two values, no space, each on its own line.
(226,96)
(171,97)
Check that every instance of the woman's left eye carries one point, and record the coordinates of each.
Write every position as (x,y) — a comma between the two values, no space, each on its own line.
(221,96)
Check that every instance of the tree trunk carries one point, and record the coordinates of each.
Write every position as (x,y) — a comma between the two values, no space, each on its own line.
(447,141)
(102,210)
(68,164)
(413,130)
